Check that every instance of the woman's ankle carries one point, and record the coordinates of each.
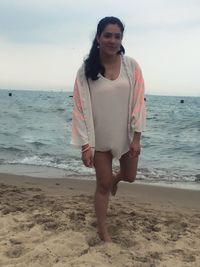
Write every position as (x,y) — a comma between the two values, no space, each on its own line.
(105,236)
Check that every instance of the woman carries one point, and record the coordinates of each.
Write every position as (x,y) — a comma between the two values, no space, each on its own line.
(108,114)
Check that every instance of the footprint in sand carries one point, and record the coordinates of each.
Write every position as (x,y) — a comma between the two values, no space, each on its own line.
(15,252)
(15,241)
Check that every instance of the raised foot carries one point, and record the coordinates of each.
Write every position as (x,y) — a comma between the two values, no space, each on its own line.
(114,187)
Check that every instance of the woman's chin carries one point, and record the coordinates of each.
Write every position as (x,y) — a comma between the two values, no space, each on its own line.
(111,53)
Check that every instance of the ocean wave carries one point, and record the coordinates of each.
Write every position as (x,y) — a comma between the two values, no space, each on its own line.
(32,160)
(197,178)
(10,149)
(157,175)
(39,124)
(61,109)
(38,144)
(31,140)
(48,109)
(75,167)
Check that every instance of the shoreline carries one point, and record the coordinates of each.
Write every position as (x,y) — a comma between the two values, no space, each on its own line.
(51,222)
(52,172)
(142,191)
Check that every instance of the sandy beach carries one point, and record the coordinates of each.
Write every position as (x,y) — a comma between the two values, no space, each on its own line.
(51,222)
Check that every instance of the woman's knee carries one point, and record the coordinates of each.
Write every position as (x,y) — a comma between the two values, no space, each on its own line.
(128,167)
(129,178)
(103,187)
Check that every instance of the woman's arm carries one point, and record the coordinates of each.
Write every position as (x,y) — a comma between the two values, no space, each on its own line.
(79,136)
(135,147)
(138,115)
(79,130)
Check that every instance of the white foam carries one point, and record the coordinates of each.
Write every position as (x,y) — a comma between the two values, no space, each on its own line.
(71,166)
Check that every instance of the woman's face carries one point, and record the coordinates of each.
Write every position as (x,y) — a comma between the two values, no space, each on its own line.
(110,40)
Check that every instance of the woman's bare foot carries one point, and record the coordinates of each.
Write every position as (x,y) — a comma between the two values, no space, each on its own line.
(105,237)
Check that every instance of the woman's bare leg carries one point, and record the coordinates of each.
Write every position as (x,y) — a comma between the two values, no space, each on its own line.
(103,168)
(128,171)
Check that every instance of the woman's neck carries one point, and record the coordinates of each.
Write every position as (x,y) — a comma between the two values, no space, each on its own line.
(105,59)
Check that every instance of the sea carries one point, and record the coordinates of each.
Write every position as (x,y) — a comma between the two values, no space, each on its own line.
(35,130)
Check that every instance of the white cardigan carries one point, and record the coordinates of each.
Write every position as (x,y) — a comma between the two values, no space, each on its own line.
(82,119)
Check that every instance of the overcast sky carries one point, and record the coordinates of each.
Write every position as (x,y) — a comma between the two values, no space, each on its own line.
(43,42)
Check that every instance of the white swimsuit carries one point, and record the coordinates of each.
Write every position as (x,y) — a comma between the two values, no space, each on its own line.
(110,100)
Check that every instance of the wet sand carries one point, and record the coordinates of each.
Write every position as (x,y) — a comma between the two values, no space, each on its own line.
(51,222)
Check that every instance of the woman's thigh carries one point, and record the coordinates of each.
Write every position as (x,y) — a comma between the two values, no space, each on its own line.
(103,168)
(128,167)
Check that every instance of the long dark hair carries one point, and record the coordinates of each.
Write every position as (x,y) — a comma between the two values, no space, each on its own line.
(92,63)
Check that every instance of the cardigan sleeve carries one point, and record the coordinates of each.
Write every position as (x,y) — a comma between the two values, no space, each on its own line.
(138,115)
(79,136)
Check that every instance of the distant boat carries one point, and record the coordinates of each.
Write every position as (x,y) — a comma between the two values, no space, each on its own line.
(182,101)
(10,94)
(70,95)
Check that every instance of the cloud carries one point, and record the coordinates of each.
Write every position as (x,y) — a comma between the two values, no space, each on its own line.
(170,62)
(38,66)
(54,21)
(43,42)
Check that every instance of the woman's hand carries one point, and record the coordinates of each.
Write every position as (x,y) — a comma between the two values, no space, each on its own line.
(135,147)
(87,157)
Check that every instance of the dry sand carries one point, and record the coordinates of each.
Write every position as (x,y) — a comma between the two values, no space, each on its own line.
(51,222)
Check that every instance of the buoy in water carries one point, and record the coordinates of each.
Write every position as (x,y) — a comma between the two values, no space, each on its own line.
(182,101)
(10,94)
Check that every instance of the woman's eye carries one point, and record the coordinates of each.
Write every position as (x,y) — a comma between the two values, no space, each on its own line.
(118,36)
(107,35)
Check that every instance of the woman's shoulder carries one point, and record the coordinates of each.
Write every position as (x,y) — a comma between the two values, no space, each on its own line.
(81,69)
(132,66)
(130,61)
(81,73)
